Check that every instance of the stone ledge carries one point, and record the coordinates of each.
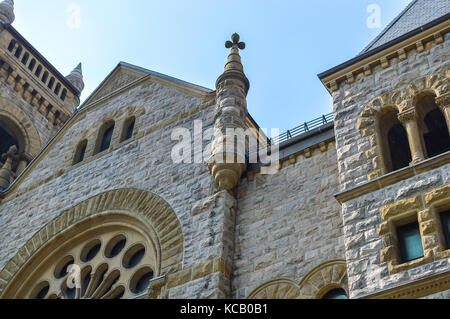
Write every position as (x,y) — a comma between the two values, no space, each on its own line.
(392,178)
(415,289)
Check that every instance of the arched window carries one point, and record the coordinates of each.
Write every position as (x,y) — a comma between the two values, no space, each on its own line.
(57,88)
(25,58)
(38,71)
(106,134)
(80,152)
(128,129)
(336,294)
(32,64)
(18,52)
(7,139)
(63,94)
(434,127)
(11,45)
(51,83)
(10,134)
(45,77)
(395,142)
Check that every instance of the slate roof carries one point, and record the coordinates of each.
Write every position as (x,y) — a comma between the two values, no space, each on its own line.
(415,15)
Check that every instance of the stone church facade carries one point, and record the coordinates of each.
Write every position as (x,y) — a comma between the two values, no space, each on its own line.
(92,204)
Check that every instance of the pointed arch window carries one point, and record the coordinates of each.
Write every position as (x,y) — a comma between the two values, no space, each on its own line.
(395,144)
(12,45)
(45,76)
(128,129)
(18,52)
(32,65)
(63,94)
(57,88)
(38,71)
(433,125)
(80,152)
(25,58)
(51,83)
(338,293)
(106,134)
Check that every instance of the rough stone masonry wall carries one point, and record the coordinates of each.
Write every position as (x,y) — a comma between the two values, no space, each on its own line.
(362,216)
(287,223)
(143,164)
(366,272)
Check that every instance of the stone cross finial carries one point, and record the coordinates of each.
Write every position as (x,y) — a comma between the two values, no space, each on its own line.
(234,59)
(235,38)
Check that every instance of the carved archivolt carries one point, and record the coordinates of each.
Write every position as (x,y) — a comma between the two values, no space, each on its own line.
(282,288)
(140,218)
(317,282)
(398,102)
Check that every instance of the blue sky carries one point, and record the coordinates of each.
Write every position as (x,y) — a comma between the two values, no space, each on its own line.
(288,43)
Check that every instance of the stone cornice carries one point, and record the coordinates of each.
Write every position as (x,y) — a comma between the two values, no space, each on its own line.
(37,86)
(392,178)
(420,42)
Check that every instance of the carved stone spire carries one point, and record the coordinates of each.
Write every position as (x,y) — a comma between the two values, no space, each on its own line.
(228,160)
(76,78)
(7,11)
(6,170)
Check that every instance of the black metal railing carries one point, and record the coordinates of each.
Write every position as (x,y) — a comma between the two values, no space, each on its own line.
(305,127)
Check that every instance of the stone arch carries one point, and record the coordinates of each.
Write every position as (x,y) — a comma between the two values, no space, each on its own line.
(24,125)
(138,208)
(377,107)
(435,84)
(323,278)
(282,288)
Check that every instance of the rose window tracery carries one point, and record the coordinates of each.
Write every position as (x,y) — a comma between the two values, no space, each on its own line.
(110,265)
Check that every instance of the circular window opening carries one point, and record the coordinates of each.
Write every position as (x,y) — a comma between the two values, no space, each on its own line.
(115,246)
(90,250)
(62,267)
(40,291)
(133,256)
(141,280)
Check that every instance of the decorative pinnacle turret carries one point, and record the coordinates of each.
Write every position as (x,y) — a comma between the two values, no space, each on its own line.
(228,159)
(76,78)
(7,12)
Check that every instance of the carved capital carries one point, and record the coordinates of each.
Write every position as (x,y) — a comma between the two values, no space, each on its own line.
(408,115)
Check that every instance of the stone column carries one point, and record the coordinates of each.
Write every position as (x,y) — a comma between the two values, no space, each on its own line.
(228,161)
(409,119)
(444,104)
(6,170)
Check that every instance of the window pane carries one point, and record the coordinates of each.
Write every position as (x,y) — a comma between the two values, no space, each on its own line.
(106,140)
(399,147)
(437,139)
(410,242)
(82,153)
(336,294)
(445,218)
(130,131)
